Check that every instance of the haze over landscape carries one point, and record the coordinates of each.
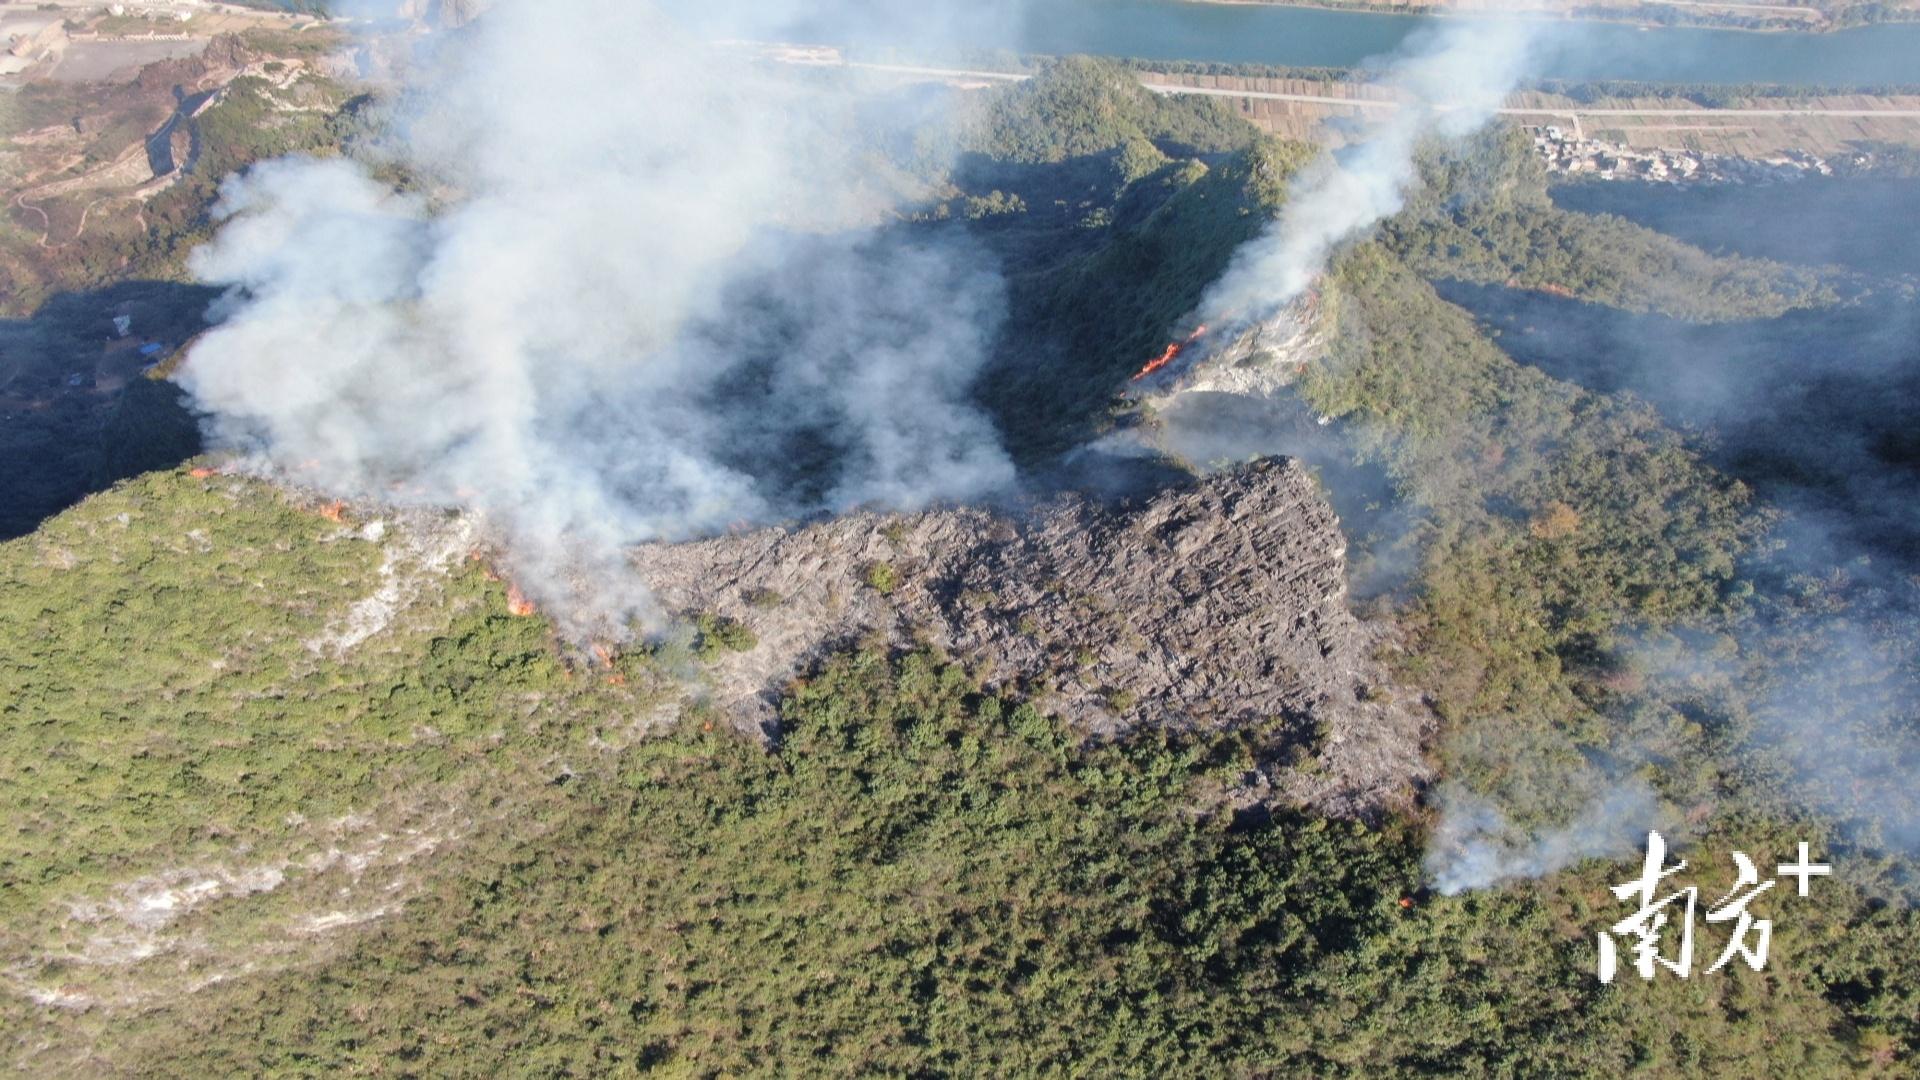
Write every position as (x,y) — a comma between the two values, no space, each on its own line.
(587,537)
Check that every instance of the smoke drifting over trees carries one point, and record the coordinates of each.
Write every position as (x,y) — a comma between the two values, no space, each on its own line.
(1806,682)
(1474,844)
(1816,673)
(1449,81)
(633,301)
(644,300)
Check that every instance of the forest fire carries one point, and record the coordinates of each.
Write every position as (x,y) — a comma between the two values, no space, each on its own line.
(1173,350)
(517,602)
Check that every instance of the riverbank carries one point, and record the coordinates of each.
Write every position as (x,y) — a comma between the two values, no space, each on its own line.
(1843,127)
(1643,14)
(1180,30)
(1837,125)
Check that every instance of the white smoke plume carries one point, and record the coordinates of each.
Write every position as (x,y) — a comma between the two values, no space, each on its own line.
(1475,846)
(644,289)
(1449,82)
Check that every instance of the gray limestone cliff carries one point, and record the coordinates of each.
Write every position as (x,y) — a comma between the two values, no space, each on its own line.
(1222,603)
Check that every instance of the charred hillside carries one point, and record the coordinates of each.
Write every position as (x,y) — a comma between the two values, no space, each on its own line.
(1220,604)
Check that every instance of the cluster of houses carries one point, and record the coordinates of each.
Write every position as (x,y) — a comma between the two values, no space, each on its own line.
(1567,154)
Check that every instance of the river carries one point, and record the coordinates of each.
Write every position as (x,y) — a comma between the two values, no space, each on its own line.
(1309,37)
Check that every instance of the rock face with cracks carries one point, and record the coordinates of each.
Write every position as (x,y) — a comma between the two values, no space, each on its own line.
(1220,604)
(1255,359)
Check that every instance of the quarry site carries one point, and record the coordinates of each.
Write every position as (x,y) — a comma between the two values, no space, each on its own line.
(78,41)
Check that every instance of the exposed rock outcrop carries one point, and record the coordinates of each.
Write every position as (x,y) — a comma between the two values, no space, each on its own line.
(1255,358)
(1221,603)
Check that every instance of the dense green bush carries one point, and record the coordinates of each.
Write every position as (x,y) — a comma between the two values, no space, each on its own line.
(925,879)
(1482,215)
(1079,106)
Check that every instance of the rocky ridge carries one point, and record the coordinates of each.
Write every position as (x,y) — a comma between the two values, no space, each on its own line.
(1219,604)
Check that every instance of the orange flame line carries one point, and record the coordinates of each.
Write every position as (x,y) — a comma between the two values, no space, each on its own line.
(517,602)
(1173,350)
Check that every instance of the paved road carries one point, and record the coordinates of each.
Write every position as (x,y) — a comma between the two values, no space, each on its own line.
(937,73)
(1364,103)
(1541,111)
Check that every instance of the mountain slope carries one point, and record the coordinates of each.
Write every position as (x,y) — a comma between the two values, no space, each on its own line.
(293,787)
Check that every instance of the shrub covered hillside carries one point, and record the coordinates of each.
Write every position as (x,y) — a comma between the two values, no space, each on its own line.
(1482,214)
(252,120)
(441,847)
(76,413)
(290,788)
(1554,522)
(1111,208)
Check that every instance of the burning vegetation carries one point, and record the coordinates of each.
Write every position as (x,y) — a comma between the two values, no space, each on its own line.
(518,603)
(1170,353)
